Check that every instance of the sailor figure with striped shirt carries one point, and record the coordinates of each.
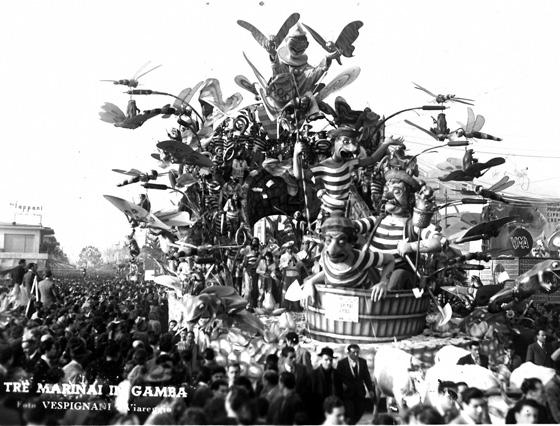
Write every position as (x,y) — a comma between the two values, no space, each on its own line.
(396,233)
(346,265)
(335,173)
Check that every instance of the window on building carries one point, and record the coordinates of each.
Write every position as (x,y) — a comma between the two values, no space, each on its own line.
(22,243)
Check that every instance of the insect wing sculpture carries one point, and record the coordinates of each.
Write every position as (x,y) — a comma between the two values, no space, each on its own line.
(440,99)
(133,81)
(270,44)
(473,127)
(344,43)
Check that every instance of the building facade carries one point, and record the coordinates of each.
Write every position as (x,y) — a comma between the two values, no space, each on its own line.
(22,242)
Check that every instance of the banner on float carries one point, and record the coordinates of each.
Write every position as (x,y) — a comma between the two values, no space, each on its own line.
(341,308)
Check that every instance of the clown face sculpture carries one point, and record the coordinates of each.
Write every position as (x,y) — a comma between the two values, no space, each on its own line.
(338,245)
(399,198)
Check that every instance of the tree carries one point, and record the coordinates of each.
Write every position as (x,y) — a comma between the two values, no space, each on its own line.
(51,246)
(90,257)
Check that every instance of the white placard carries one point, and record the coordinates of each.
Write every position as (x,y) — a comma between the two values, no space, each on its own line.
(341,308)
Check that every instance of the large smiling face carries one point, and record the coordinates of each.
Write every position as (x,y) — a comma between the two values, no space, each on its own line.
(345,148)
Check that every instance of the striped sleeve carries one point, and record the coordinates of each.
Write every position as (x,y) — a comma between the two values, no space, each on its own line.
(364,225)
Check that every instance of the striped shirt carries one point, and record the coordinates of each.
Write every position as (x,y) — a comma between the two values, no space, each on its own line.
(336,181)
(392,230)
(355,275)
(251,258)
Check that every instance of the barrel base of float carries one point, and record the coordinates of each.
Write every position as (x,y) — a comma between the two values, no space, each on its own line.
(350,316)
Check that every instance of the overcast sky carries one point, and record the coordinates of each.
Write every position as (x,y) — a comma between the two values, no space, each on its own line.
(57,153)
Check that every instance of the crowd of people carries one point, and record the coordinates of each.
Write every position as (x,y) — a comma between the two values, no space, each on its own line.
(106,332)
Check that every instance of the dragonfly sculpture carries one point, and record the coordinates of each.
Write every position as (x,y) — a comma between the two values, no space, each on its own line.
(491,192)
(440,99)
(133,81)
(472,168)
(472,129)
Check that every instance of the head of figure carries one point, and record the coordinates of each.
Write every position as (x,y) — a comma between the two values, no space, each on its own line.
(255,243)
(474,348)
(326,358)
(344,142)
(353,352)
(399,193)
(219,373)
(21,262)
(447,394)
(233,372)
(541,336)
(340,234)
(526,411)
(423,415)
(461,387)
(533,388)
(289,355)
(292,338)
(32,267)
(269,257)
(475,405)
(333,408)
(29,346)
(219,388)
(297,42)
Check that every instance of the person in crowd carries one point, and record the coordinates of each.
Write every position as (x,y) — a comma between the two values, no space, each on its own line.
(526,411)
(333,411)
(239,407)
(233,372)
(251,257)
(446,403)
(475,408)
(289,364)
(540,351)
(18,273)
(29,277)
(189,350)
(552,394)
(533,389)
(475,357)
(302,355)
(30,348)
(269,388)
(423,415)
(47,291)
(287,404)
(325,382)
(268,279)
(356,383)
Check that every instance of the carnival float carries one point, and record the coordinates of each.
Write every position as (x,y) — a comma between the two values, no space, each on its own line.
(380,232)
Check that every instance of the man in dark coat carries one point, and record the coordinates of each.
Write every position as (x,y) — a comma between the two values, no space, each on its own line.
(18,272)
(356,380)
(539,352)
(284,408)
(288,363)
(475,357)
(325,381)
